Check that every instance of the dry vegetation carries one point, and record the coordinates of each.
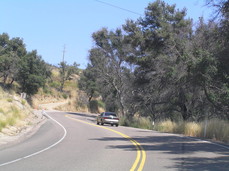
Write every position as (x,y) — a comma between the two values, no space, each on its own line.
(15,113)
(214,129)
(74,100)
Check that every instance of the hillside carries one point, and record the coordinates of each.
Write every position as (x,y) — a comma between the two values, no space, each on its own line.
(71,97)
(16,116)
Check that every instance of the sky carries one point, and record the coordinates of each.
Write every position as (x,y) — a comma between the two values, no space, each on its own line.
(50,25)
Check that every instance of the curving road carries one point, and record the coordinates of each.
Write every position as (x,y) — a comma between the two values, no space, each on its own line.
(70,142)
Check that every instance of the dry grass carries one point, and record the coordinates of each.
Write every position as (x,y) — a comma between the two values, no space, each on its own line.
(216,129)
(14,111)
(137,122)
(166,126)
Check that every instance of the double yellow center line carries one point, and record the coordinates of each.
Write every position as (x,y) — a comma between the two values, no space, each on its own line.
(141,154)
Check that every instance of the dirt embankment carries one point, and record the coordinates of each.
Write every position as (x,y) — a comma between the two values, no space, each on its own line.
(14,134)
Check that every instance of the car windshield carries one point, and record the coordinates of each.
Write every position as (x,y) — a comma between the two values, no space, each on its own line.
(110,114)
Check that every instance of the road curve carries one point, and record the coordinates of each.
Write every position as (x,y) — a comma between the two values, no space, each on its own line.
(79,144)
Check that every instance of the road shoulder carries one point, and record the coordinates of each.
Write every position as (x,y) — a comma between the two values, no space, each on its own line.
(13,135)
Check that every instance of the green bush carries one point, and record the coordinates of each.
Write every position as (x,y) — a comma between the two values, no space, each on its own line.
(94,106)
(54,84)
(10,100)
(65,96)
(101,104)
(46,90)
(23,102)
(2,124)
(136,122)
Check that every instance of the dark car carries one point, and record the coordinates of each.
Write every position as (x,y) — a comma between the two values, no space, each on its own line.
(107,118)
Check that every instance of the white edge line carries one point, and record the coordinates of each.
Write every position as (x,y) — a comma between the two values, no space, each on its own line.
(209,142)
(45,149)
(197,139)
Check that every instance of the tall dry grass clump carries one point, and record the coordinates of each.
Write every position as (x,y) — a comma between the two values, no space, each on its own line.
(166,126)
(216,129)
(9,116)
(136,122)
(142,122)
(11,110)
(213,129)
(192,129)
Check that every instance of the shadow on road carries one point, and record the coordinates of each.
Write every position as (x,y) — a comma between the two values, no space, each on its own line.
(186,154)
(90,117)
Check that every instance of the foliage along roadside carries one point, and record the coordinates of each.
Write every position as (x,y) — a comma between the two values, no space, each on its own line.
(14,111)
(162,66)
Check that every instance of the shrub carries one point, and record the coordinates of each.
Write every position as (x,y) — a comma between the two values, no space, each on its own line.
(136,122)
(94,106)
(46,90)
(11,121)
(166,126)
(216,129)
(54,84)
(2,124)
(10,100)
(101,104)
(23,102)
(192,129)
(65,96)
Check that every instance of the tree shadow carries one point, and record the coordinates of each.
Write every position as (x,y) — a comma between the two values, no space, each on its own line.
(90,117)
(187,154)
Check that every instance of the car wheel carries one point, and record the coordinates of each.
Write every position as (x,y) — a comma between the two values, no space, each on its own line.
(97,123)
(111,124)
(116,125)
(102,123)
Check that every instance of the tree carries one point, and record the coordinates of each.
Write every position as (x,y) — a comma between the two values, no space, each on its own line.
(88,84)
(159,66)
(11,51)
(108,60)
(32,73)
(66,71)
(161,53)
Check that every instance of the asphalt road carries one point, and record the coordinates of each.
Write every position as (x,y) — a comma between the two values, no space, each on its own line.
(72,142)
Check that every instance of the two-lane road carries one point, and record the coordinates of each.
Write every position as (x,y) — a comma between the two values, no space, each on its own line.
(70,142)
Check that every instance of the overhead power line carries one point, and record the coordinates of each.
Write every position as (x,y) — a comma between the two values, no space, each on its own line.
(118,7)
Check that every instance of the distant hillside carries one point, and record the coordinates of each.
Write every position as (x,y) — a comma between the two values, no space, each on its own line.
(76,100)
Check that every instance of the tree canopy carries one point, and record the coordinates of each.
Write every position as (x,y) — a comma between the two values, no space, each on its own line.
(27,68)
(162,66)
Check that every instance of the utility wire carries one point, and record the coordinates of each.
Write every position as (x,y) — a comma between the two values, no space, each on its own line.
(118,7)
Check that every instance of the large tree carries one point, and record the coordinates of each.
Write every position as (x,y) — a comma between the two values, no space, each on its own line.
(159,66)
(88,84)
(66,71)
(32,73)
(11,52)
(108,60)
(161,43)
